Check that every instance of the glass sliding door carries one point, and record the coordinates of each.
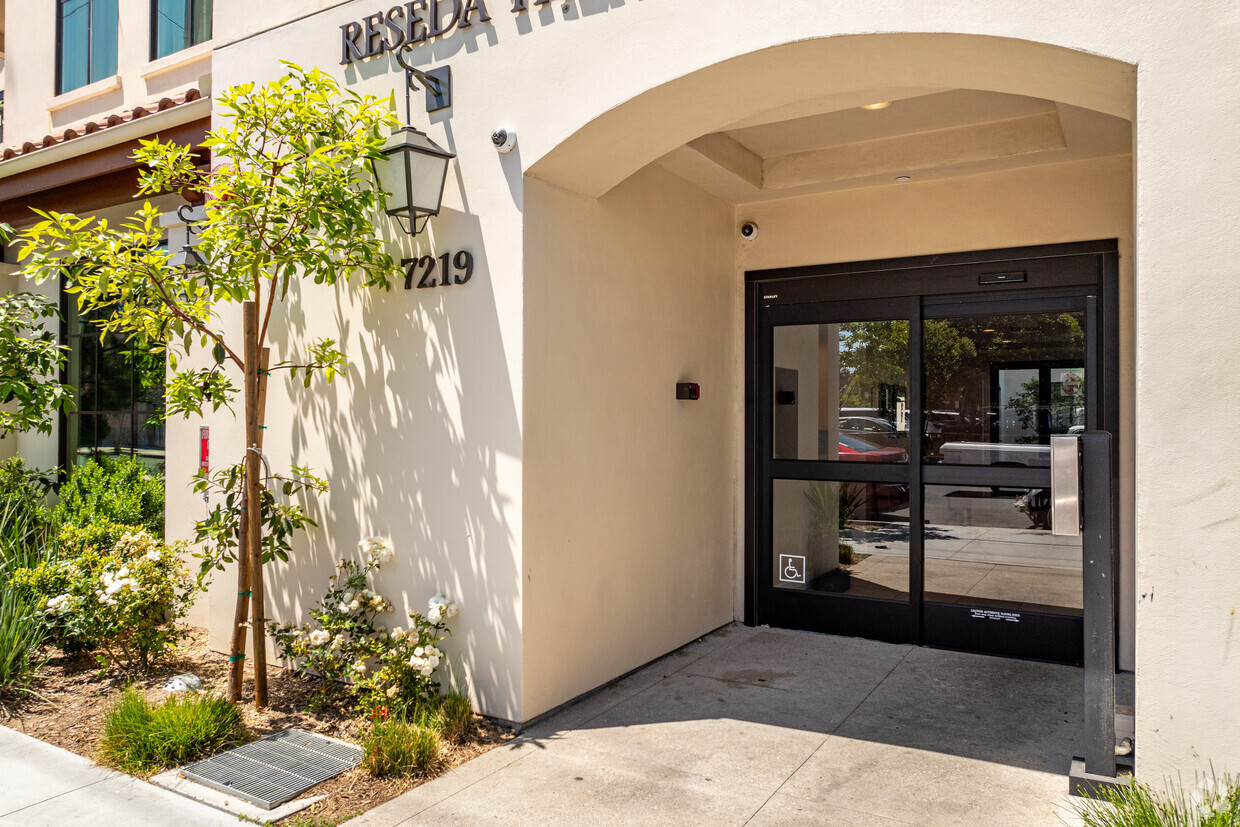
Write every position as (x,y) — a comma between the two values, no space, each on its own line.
(899,449)
(838,394)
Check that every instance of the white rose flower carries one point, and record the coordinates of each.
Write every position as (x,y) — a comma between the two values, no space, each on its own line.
(348,597)
(419,651)
(392,690)
(354,606)
(319,636)
(433,614)
(344,607)
(426,671)
(359,666)
(124,572)
(153,555)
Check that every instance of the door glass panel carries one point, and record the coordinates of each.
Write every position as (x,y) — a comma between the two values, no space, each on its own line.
(840,537)
(998,387)
(841,392)
(992,548)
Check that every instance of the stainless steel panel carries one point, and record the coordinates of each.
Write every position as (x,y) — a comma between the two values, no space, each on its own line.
(1065,487)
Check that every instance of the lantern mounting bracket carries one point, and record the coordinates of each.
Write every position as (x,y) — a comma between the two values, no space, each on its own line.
(437,82)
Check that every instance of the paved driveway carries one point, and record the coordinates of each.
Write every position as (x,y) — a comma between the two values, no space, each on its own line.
(766,726)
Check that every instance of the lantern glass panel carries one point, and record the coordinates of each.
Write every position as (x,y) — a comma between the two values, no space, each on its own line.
(426,178)
(392,178)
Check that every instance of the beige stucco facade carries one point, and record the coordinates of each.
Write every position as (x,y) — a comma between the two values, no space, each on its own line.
(518,437)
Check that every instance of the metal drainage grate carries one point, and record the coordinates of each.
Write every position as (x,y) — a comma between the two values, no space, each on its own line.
(276,769)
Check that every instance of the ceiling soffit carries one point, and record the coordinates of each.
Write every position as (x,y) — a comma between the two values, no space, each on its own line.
(922,135)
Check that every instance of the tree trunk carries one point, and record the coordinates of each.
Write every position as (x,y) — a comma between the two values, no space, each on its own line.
(258,596)
(253,498)
(237,642)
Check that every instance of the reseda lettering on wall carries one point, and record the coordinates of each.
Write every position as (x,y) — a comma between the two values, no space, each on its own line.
(415,22)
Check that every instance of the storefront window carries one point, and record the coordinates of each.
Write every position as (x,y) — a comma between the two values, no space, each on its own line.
(85,42)
(178,24)
(119,394)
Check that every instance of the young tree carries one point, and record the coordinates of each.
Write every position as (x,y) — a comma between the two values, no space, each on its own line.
(31,359)
(294,197)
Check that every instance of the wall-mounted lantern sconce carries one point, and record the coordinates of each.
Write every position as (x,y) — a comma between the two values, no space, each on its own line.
(413,171)
(414,168)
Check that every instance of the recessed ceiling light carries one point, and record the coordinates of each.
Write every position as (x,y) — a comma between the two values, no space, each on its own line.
(879,105)
(903,179)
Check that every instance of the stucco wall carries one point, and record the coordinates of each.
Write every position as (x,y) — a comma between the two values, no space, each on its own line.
(628,543)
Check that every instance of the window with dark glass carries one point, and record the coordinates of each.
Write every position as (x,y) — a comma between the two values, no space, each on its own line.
(85,42)
(119,394)
(178,24)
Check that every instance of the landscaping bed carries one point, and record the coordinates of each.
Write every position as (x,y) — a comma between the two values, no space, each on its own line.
(76,695)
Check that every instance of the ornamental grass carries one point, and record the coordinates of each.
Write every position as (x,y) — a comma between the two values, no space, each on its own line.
(141,737)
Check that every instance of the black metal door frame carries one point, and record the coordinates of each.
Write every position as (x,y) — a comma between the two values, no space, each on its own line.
(1080,277)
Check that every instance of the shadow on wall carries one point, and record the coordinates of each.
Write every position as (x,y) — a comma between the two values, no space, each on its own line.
(412,444)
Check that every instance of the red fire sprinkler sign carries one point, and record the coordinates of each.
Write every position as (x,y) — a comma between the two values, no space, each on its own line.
(204,449)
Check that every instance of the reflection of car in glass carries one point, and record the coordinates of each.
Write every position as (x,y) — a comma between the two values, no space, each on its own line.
(874,497)
(995,453)
(858,450)
(879,432)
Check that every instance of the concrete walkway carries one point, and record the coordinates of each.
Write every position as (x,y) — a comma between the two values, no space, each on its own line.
(764,726)
(42,785)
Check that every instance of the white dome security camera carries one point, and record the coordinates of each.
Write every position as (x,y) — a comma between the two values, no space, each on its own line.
(749,231)
(504,140)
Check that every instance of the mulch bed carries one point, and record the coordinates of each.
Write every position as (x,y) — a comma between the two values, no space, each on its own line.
(76,695)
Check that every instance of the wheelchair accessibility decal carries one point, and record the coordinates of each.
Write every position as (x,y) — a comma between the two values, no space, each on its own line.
(791,568)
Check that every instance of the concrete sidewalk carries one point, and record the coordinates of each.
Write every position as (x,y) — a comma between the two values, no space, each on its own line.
(764,726)
(45,786)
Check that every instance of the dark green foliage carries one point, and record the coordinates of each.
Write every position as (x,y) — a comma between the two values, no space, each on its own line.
(402,748)
(21,632)
(25,526)
(1213,802)
(30,353)
(116,489)
(141,737)
(456,713)
(25,521)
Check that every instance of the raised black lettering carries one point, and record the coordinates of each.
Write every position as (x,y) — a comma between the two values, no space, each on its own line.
(470,7)
(414,21)
(434,17)
(397,29)
(519,6)
(349,52)
(373,38)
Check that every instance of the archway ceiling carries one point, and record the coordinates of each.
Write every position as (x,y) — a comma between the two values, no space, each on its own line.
(924,134)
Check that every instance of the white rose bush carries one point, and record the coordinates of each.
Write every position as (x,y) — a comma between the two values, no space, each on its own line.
(117,593)
(349,647)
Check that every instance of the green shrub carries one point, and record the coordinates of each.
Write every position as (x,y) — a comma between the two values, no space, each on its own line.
(141,737)
(25,521)
(1215,802)
(118,489)
(402,748)
(456,714)
(115,591)
(21,632)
